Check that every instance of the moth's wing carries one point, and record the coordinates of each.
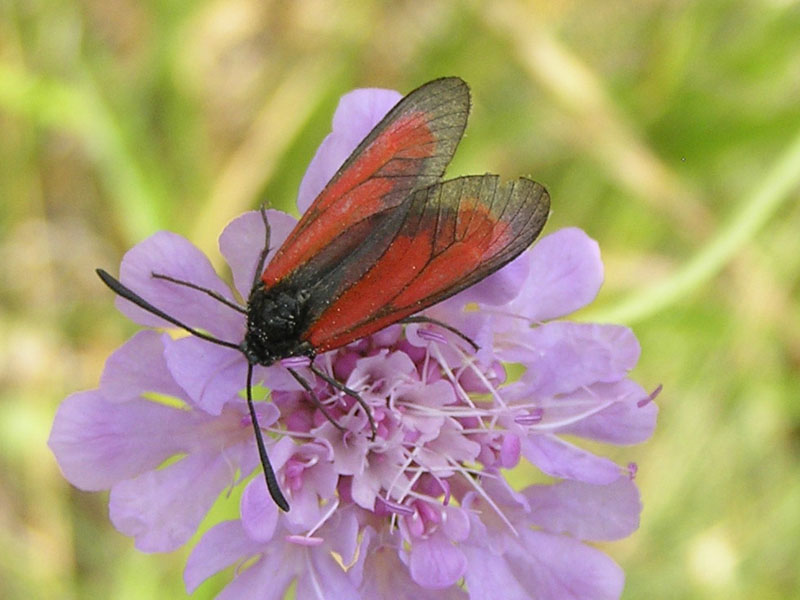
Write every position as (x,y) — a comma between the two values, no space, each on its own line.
(408,150)
(450,236)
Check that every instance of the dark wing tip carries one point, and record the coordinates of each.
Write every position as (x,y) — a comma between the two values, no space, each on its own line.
(451,91)
(451,82)
(532,191)
(531,203)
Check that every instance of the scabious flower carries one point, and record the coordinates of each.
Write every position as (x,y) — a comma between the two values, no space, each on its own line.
(424,509)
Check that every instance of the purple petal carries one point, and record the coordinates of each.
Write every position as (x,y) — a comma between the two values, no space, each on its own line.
(259,511)
(98,443)
(587,512)
(435,563)
(565,274)
(358,112)
(211,375)
(510,451)
(363,554)
(325,578)
(312,500)
(387,578)
(170,254)
(278,378)
(501,286)
(562,357)
(221,546)
(488,576)
(342,533)
(256,504)
(242,241)
(266,579)
(349,451)
(365,488)
(386,367)
(624,421)
(539,565)
(478,326)
(456,523)
(162,509)
(553,567)
(138,366)
(557,458)
(452,444)
(512,503)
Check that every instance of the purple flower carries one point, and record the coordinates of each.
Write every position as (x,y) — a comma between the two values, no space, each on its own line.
(423,510)
(116,437)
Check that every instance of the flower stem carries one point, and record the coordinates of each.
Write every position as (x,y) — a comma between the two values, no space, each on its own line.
(754,212)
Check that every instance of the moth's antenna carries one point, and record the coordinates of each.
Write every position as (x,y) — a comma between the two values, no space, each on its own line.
(118,288)
(215,295)
(269,473)
(262,258)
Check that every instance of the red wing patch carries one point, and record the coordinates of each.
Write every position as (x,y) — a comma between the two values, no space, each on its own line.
(408,150)
(452,235)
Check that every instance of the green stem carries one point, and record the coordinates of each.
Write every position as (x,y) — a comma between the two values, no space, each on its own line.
(751,216)
(79,108)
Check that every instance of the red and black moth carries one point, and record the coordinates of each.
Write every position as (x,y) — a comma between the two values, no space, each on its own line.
(385,239)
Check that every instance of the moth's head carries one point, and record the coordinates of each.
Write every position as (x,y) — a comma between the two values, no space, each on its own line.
(276,321)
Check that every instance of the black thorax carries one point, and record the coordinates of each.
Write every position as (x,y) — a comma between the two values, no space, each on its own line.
(276,319)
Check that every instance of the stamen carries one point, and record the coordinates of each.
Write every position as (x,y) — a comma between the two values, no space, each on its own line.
(409,491)
(352,393)
(432,470)
(633,468)
(325,517)
(398,509)
(302,540)
(470,363)
(532,418)
(291,433)
(431,336)
(426,363)
(556,424)
(461,392)
(482,493)
(651,397)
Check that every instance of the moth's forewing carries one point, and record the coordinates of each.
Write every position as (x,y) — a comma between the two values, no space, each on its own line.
(408,150)
(450,236)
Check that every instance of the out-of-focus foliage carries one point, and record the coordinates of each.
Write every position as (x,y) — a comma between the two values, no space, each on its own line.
(668,130)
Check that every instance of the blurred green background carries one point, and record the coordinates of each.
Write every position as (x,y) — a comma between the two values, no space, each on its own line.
(668,130)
